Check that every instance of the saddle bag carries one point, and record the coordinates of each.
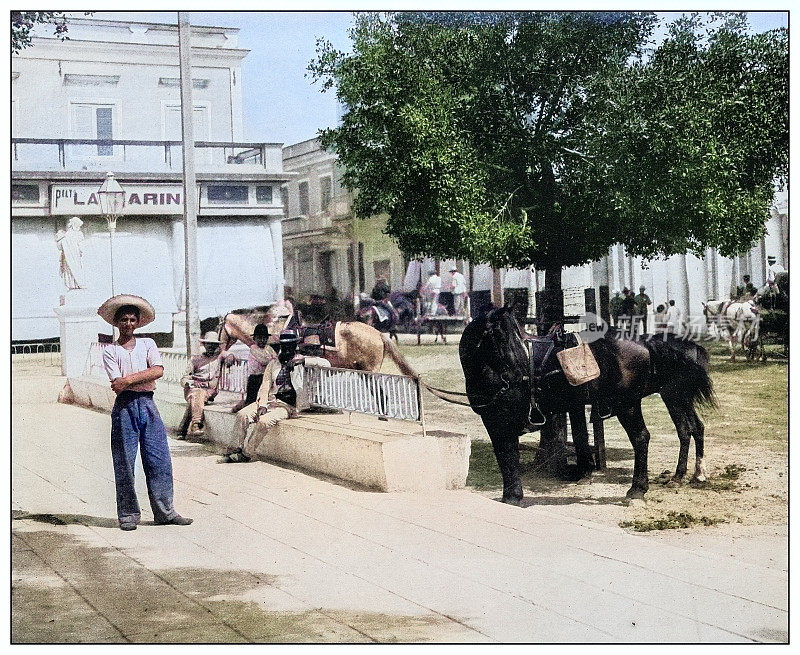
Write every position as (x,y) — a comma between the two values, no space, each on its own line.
(578,363)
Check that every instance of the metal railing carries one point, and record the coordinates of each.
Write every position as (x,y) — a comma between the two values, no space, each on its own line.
(47,353)
(136,154)
(377,394)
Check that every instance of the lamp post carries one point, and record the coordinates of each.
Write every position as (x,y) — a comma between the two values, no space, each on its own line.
(112,200)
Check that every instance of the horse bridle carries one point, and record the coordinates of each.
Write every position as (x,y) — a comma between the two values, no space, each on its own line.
(532,380)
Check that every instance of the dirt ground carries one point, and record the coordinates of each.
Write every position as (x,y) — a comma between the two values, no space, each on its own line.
(746,452)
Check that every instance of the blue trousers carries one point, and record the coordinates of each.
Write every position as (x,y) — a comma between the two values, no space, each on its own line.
(135,423)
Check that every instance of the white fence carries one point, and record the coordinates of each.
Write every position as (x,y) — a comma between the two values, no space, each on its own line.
(378,394)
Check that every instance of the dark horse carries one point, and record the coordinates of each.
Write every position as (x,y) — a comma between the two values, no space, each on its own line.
(386,317)
(502,382)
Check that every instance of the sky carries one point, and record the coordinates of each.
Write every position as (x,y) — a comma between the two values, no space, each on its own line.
(281,104)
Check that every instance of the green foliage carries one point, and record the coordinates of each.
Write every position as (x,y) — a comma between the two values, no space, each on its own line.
(538,137)
(23,22)
(671,521)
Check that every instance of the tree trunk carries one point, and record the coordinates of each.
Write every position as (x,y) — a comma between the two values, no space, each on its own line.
(497,288)
(552,451)
(552,298)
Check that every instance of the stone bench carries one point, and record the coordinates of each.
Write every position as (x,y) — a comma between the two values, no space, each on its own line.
(384,455)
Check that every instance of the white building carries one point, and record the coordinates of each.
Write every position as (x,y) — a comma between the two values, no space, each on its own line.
(687,279)
(108,99)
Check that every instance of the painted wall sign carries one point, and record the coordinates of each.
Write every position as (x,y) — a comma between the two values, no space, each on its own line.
(139,199)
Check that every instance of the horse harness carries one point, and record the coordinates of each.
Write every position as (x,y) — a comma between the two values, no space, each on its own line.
(326,330)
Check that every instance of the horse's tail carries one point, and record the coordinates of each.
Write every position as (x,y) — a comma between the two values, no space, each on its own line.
(684,366)
(397,357)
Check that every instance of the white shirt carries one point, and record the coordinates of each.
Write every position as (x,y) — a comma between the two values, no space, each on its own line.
(120,362)
(673,316)
(773,270)
(258,359)
(434,284)
(459,283)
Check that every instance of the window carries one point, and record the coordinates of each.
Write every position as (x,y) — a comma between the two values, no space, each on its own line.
(227,195)
(264,195)
(303,191)
(285,200)
(93,121)
(105,130)
(24,194)
(325,192)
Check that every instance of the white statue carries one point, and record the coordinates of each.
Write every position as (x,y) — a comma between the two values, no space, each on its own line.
(69,245)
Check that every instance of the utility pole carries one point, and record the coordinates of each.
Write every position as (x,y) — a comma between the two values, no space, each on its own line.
(189,186)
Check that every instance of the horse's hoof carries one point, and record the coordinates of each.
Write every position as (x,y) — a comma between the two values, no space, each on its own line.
(508,500)
(674,482)
(699,477)
(635,493)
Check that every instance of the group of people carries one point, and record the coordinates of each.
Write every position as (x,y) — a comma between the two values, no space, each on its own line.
(433,287)
(133,364)
(629,314)
(274,389)
(629,311)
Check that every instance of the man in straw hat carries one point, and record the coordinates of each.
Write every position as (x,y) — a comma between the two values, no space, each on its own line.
(281,396)
(458,287)
(201,385)
(133,365)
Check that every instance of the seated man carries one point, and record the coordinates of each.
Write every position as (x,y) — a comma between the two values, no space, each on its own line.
(281,396)
(261,354)
(200,385)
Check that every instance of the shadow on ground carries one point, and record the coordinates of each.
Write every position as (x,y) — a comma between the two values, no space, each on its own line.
(121,601)
(484,475)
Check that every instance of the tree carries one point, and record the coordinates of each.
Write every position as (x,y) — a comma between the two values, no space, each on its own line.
(544,138)
(23,22)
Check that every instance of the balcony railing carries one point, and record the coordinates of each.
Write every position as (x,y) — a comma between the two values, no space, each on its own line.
(300,224)
(130,155)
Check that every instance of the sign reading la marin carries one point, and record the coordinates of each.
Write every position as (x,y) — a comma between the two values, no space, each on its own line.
(139,199)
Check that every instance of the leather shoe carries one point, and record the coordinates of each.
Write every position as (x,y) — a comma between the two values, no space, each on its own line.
(176,520)
(234,458)
(127,526)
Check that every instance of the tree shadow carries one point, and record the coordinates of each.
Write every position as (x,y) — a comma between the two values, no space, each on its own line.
(196,604)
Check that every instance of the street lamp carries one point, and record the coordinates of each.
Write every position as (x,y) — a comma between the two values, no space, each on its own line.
(112,200)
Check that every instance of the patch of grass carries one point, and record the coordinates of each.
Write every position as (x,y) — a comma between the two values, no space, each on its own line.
(732,472)
(483,471)
(671,521)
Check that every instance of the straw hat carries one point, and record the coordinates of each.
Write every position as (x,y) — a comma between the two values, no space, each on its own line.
(211,337)
(146,312)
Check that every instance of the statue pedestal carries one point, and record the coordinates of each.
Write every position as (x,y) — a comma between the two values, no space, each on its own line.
(179,330)
(79,328)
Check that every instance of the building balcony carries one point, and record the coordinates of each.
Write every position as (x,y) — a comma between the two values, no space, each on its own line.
(306,224)
(135,156)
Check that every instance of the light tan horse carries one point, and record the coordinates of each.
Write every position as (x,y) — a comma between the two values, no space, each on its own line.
(357,345)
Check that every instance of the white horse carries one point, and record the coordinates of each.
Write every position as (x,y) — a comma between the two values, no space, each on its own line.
(738,320)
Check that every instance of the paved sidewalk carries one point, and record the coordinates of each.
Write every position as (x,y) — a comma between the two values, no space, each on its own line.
(276,555)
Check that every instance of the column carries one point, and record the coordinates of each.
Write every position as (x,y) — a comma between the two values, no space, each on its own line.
(276,232)
(683,286)
(314,268)
(178,281)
